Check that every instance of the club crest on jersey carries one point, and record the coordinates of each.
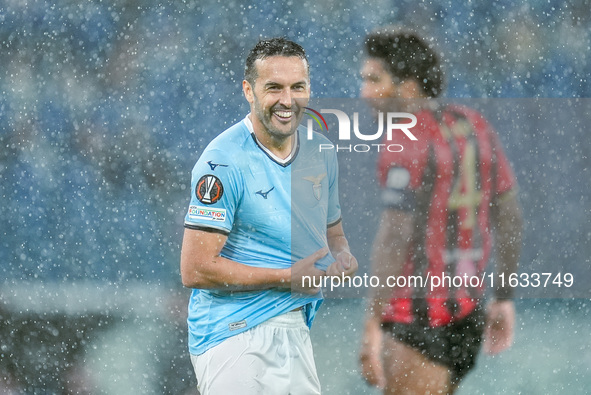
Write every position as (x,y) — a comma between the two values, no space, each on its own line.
(209,189)
(316,184)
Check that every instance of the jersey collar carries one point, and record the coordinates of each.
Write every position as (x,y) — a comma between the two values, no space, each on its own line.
(282,162)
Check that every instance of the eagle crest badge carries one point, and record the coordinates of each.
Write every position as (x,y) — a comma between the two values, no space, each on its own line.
(316,184)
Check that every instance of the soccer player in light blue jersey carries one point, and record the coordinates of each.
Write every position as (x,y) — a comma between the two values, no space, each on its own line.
(264,214)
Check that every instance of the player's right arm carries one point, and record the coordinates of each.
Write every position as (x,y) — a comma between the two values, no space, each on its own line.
(387,259)
(216,192)
(202,267)
(389,250)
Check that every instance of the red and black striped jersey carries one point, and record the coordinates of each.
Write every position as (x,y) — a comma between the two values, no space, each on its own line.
(447,179)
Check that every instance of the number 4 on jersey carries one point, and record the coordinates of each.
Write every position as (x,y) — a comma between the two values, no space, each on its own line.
(465,194)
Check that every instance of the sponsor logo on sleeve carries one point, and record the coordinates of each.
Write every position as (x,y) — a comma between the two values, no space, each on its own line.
(208,214)
(398,178)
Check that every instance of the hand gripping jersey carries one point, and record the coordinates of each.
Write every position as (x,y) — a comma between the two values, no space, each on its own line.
(274,213)
(448,180)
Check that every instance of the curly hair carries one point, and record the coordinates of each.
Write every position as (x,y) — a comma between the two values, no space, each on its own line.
(407,55)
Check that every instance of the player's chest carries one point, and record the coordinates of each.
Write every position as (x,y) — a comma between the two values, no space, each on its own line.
(273,192)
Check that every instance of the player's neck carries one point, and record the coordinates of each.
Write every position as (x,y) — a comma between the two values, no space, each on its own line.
(419,104)
(280,146)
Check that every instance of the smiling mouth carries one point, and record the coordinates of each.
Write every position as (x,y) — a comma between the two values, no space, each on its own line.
(284,115)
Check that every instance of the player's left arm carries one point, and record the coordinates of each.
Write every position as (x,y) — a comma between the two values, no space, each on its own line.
(507,224)
(345,263)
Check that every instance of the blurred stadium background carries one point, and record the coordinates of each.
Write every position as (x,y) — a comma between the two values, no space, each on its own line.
(106,105)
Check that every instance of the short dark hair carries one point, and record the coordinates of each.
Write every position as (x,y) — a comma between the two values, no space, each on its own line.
(407,55)
(277,46)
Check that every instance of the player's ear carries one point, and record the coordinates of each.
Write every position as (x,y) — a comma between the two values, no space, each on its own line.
(247,88)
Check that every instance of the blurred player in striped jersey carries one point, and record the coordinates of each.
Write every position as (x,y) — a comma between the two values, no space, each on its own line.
(445,197)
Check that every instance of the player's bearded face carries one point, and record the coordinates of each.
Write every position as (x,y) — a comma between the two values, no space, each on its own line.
(281,92)
(279,120)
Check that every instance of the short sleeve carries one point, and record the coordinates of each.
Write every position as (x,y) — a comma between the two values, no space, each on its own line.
(334,206)
(216,187)
(396,192)
(400,175)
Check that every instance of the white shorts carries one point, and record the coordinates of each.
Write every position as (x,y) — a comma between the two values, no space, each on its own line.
(273,358)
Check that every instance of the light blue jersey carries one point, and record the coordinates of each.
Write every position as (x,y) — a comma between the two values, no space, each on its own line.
(274,213)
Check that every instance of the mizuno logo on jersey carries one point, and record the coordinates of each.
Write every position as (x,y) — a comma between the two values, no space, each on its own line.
(214,165)
(263,194)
